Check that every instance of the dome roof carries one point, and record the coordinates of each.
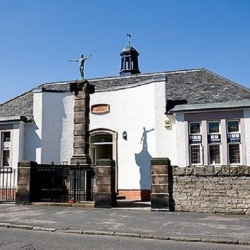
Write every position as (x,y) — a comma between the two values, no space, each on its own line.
(128,50)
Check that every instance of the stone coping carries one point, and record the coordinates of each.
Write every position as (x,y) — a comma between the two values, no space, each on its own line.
(160,161)
(212,171)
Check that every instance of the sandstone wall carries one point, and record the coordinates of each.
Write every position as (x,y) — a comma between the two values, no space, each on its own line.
(209,189)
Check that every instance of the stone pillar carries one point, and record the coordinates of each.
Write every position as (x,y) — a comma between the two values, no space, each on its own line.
(160,169)
(25,185)
(105,196)
(82,90)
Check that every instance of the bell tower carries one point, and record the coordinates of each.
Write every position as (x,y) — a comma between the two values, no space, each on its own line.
(129,60)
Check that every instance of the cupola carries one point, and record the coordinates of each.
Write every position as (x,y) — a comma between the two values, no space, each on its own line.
(129,61)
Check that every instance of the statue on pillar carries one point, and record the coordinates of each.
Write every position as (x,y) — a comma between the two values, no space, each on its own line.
(81,61)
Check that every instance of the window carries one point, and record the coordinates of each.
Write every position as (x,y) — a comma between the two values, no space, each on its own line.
(233,126)
(234,141)
(5,149)
(213,127)
(222,144)
(194,128)
(234,153)
(195,141)
(214,154)
(195,153)
(214,140)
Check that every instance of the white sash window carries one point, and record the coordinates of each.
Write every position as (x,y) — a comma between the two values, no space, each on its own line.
(5,149)
(195,143)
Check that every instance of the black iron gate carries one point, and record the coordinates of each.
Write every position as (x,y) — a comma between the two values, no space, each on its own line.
(61,183)
(8,183)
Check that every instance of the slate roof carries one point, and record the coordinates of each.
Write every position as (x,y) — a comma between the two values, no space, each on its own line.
(20,106)
(197,86)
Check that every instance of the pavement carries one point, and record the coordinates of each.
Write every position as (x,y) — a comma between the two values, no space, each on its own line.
(129,222)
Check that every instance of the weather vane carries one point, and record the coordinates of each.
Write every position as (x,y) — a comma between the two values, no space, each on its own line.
(81,61)
(129,39)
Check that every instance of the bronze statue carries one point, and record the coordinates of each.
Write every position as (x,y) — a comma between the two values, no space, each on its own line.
(81,61)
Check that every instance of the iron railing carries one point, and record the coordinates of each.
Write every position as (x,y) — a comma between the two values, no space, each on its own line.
(8,184)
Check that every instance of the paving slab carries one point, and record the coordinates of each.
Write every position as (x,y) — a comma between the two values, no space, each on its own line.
(139,223)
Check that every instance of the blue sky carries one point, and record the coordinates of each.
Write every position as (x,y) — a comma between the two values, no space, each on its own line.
(38,37)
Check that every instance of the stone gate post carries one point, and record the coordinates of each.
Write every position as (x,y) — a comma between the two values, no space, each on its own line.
(160,170)
(25,185)
(105,196)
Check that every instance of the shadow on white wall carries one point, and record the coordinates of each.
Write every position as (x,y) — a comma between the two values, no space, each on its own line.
(143,160)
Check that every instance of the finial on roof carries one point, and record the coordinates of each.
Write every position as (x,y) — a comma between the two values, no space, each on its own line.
(129,39)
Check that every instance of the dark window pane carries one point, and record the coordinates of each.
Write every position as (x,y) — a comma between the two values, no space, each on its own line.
(101,138)
(214,153)
(6,158)
(234,153)
(6,136)
(213,127)
(194,128)
(233,126)
(195,154)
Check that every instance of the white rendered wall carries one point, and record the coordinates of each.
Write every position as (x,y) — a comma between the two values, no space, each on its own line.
(32,143)
(50,137)
(165,137)
(57,127)
(33,132)
(16,145)
(21,141)
(131,110)
(67,139)
(181,141)
(247,135)
(171,141)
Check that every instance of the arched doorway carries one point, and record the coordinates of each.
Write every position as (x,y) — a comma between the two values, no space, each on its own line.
(103,145)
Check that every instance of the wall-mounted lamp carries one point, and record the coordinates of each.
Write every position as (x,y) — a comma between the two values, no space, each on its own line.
(124,135)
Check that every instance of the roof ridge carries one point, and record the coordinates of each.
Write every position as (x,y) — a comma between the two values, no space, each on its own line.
(57,82)
(145,74)
(123,77)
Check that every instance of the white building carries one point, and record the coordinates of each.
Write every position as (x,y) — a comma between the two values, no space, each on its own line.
(193,117)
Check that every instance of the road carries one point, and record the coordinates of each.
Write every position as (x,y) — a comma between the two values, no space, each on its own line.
(14,239)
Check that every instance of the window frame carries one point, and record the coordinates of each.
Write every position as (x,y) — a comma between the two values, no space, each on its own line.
(189,128)
(234,143)
(209,156)
(190,154)
(234,120)
(209,144)
(2,148)
(214,133)
(195,144)
(240,151)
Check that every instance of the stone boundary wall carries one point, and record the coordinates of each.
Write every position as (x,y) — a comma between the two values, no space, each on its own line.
(212,189)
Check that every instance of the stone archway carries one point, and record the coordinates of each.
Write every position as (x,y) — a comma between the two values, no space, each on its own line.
(103,145)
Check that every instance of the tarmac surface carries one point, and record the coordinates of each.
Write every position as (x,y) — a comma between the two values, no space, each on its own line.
(141,223)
